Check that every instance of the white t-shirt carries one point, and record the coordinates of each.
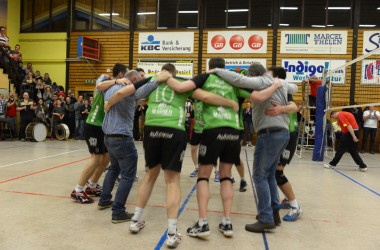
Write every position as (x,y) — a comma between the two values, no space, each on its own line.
(372,120)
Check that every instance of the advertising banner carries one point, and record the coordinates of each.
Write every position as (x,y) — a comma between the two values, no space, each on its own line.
(237,42)
(313,42)
(184,67)
(371,41)
(300,69)
(166,42)
(370,73)
(240,65)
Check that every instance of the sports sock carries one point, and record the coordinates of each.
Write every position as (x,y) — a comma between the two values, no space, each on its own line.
(172,226)
(293,203)
(138,214)
(79,188)
(202,222)
(92,185)
(242,179)
(226,220)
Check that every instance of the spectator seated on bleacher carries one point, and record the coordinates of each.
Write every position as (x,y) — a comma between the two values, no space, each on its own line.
(29,68)
(47,80)
(4,43)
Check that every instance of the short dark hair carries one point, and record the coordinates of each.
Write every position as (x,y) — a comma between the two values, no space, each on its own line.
(119,68)
(279,72)
(216,62)
(256,69)
(140,70)
(169,67)
(333,112)
(17,45)
(2,27)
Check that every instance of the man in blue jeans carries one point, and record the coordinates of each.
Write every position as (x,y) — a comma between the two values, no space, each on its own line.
(272,138)
(118,138)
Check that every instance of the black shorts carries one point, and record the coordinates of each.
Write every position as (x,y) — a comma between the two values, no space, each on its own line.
(165,146)
(196,137)
(94,137)
(290,149)
(222,143)
(241,136)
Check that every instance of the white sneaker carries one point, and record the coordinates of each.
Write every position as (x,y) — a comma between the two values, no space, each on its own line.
(362,169)
(136,226)
(327,165)
(172,241)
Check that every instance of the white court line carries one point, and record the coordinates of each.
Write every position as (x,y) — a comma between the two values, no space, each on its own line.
(45,157)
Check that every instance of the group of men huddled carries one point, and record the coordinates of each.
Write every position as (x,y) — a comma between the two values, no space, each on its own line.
(109,136)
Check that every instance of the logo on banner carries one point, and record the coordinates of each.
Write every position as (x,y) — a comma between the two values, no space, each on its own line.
(328,39)
(372,70)
(255,42)
(237,42)
(151,44)
(297,38)
(305,69)
(218,42)
(375,41)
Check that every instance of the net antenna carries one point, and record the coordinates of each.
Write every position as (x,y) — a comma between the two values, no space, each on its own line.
(338,95)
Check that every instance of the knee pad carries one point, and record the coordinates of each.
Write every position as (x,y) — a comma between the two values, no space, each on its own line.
(226,179)
(281,178)
(202,179)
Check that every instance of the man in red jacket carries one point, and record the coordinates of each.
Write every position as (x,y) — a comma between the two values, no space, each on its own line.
(349,140)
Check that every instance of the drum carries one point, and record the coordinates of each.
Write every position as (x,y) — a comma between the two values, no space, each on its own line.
(36,132)
(62,132)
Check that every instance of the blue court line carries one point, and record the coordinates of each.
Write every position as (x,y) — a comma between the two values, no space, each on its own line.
(163,237)
(362,185)
(255,198)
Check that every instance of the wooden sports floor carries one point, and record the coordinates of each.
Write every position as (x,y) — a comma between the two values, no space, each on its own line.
(341,207)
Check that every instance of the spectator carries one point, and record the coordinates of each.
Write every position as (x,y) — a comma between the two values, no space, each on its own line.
(77,108)
(4,43)
(85,109)
(91,100)
(70,116)
(28,85)
(38,75)
(54,87)
(47,93)
(39,90)
(52,104)
(62,98)
(42,111)
(248,124)
(29,68)
(47,79)
(26,108)
(58,115)
(72,97)
(141,72)
(3,106)
(370,118)
(11,112)
(15,54)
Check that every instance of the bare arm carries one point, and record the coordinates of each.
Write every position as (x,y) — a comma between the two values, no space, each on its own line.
(263,95)
(103,86)
(120,94)
(180,87)
(214,99)
(351,130)
(278,109)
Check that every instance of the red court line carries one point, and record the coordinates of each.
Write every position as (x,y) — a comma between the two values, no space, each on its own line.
(35,194)
(44,170)
(158,206)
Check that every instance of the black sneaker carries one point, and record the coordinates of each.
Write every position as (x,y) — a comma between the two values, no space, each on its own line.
(121,218)
(259,227)
(243,186)
(226,229)
(102,206)
(197,231)
(276,217)
(81,197)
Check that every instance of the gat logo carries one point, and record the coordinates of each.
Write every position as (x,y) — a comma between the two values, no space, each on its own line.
(237,42)
(255,42)
(372,70)
(218,42)
(297,38)
(151,44)
(375,40)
